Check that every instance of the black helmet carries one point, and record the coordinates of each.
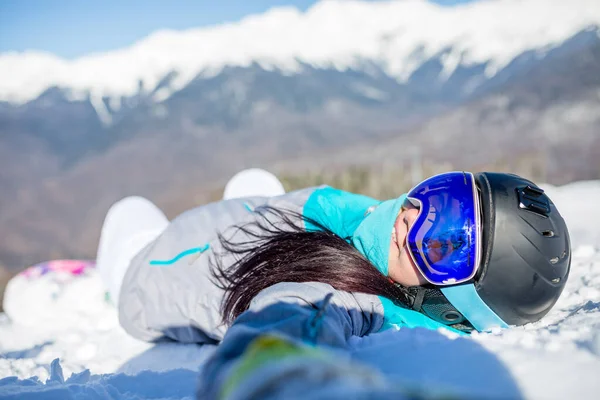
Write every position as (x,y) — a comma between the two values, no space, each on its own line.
(525,260)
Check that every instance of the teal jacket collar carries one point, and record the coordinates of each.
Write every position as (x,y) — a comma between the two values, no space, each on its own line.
(373,235)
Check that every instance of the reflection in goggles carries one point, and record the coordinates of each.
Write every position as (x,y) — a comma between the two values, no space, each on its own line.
(444,245)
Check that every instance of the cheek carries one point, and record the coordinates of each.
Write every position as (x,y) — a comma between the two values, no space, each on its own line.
(403,271)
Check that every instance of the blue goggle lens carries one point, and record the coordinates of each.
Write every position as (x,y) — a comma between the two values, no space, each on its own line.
(444,240)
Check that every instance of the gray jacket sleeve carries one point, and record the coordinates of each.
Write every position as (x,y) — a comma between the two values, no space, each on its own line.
(312,313)
(168,290)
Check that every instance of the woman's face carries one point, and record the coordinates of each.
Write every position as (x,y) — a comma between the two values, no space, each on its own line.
(401,267)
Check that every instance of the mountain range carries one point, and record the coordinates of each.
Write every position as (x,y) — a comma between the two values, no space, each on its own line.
(492,84)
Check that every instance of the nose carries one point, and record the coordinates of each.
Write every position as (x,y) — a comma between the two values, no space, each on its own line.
(410,216)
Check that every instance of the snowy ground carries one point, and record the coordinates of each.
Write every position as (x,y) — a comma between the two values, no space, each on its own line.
(558,357)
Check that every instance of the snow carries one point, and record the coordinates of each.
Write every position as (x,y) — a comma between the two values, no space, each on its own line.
(79,327)
(555,358)
(396,35)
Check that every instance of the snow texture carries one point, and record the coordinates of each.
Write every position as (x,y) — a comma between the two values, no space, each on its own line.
(398,36)
(555,358)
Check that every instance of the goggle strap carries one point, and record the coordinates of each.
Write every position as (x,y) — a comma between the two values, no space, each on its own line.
(418,300)
(468,302)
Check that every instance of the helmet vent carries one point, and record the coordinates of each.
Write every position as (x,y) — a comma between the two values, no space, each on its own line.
(548,233)
(532,198)
(555,280)
(554,260)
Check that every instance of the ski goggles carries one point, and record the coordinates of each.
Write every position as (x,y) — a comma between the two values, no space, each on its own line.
(445,239)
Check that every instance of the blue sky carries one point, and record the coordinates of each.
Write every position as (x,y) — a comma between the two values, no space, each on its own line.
(71,28)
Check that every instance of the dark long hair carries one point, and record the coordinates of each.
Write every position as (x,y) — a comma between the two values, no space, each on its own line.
(280,249)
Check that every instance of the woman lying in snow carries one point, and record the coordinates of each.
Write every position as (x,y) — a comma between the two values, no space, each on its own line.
(460,250)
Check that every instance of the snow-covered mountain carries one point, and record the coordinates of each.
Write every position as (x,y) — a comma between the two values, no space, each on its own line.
(396,37)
